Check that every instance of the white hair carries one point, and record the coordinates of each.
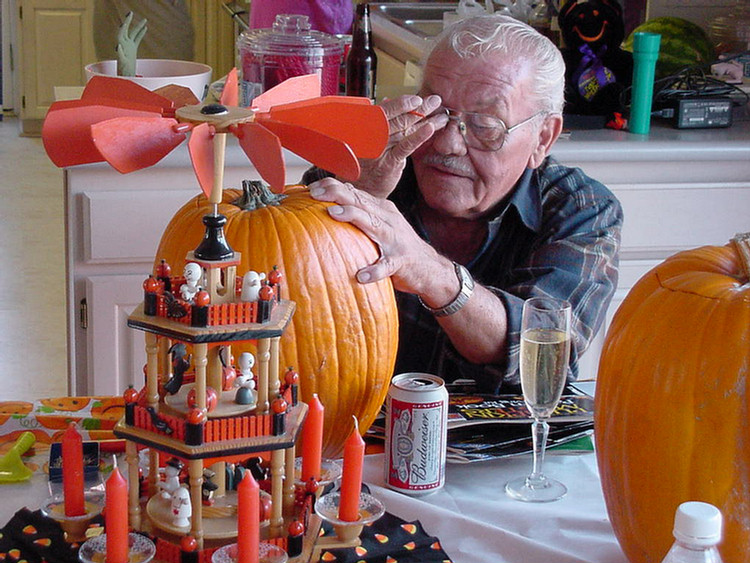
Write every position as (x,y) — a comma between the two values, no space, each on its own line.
(485,35)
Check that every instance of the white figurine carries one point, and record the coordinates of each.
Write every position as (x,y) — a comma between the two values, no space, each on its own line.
(182,510)
(251,285)
(172,481)
(245,381)
(192,274)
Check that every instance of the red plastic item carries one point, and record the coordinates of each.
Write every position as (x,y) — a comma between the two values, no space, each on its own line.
(131,128)
(231,94)
(263,148)
(72,469)
(323,151)
(293,89)
(121,91)
(365,128)
(351,476)
(66,132)
(116,518)
(134,143)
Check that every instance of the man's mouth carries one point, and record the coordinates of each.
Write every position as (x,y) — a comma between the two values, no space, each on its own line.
(451,165)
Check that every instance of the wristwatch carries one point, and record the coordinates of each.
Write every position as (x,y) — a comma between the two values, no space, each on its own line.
(465,291)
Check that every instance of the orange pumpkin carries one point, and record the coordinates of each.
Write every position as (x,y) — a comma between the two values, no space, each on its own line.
(673,403)
(343,335)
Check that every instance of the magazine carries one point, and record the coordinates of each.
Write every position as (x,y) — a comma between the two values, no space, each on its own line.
(469,409)
(472,443)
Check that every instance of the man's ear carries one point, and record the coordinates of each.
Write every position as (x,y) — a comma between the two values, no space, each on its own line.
(548,133)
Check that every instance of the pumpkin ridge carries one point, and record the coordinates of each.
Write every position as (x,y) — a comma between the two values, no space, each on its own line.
(362,332)
(326,343)
(296,240)
(344,333)
(351,248)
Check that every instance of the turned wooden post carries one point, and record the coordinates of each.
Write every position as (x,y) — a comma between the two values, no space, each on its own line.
(289,481)
(276,523)
(134,505)
(264,357)
(195,474)
(200,361)
(152,369)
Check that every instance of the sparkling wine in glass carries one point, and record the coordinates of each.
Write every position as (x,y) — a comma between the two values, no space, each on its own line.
(545,351)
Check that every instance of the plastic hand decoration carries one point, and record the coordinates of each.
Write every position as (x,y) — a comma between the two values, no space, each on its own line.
(127,45)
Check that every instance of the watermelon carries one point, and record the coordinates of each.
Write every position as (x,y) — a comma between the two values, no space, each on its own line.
(683,44)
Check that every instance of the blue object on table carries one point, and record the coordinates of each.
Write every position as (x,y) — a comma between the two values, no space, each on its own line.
(90,463)
(645,54)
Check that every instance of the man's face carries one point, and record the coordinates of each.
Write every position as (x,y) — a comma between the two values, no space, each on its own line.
(464,182)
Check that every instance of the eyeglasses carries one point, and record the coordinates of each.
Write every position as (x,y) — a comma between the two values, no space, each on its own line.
(482,131)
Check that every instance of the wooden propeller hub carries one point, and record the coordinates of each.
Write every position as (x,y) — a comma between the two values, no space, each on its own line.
(220,120)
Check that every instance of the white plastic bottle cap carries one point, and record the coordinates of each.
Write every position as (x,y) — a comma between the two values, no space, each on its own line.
(697,523)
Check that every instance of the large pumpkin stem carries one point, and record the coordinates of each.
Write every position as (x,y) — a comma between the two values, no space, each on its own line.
(741,243)
(256,194)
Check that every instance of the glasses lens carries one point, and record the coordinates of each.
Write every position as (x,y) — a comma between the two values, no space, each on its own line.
(480,130)
(488,130)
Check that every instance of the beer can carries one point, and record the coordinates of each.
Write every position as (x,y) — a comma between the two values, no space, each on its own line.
(415,433)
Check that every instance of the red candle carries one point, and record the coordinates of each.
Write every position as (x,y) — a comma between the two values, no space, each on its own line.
(351,478)
(116,518)
(72,468)
(248,519)
(312,440)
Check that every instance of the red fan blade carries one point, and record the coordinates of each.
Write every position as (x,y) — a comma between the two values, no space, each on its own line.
(362,126)
(323,151)
(291,90)
(180,96)
(231,93)
(120,90)
(201,149)
(263,148)
(133,143)
(67,129)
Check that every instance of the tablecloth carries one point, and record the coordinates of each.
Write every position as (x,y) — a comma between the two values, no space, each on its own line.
(476,522)
(472,517)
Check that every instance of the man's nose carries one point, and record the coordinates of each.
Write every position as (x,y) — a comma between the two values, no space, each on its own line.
(449,140)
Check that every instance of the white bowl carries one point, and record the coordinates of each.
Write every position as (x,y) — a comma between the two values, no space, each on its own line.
(155,73)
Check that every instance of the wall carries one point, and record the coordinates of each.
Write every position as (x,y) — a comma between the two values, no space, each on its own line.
(700,12)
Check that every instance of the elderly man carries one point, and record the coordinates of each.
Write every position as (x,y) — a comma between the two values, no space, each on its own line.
(470,213)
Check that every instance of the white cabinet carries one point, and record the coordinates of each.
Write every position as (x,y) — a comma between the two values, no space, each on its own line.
(114,223)
(57,42)
(679,190)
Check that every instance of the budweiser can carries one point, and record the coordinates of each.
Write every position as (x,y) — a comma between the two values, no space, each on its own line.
(415,433)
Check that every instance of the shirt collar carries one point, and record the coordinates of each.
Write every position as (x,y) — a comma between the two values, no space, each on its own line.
(527,200)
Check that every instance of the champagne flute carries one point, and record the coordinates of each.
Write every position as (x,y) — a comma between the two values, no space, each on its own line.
(545,350)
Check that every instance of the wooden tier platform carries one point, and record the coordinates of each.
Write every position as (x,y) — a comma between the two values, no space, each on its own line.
(280,318)
(295,417)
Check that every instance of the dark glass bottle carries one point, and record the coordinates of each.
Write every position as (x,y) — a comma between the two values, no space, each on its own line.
(361,62)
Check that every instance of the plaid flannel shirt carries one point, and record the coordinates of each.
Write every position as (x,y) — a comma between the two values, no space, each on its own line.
(558,234)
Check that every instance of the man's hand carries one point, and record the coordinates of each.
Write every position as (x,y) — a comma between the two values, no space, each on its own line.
(404,256)
(411,124)
(478,331)
(127,45)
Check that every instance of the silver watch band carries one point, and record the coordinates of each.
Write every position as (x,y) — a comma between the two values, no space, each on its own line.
(466,289)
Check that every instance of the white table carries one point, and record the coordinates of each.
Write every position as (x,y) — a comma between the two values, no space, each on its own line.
(471,515)
(476,522)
